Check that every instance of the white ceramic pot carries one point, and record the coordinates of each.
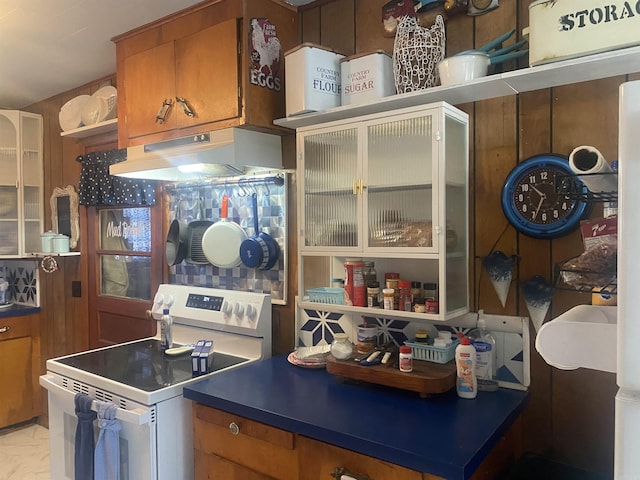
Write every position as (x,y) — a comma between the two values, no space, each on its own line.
(46,240)
(463,68)
(60,243)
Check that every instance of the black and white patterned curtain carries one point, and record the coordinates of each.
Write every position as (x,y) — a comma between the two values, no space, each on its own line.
(99,188)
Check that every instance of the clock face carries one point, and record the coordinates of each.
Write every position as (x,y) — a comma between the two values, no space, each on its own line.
(532,202)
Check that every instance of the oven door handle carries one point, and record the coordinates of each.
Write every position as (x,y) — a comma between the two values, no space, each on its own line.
(137,416)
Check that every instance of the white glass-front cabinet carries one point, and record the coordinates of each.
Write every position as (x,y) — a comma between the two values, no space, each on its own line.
(391,188)
(21,183)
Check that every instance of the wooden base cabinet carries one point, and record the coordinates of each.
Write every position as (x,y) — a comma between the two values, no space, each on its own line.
(228,443)
(19,369)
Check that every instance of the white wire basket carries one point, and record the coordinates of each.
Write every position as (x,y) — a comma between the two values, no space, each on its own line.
(416,53)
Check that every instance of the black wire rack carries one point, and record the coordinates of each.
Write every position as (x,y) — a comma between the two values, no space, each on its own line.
(572,187)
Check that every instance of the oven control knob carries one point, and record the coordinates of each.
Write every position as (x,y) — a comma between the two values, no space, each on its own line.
(169,300)
(227,308)
(251,311)
(238,310)
(159,299)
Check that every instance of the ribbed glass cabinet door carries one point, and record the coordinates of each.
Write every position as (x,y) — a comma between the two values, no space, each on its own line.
(8,187)
(330,183)
(399,183)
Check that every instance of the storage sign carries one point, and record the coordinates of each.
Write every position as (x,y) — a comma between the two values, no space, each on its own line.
(265,50)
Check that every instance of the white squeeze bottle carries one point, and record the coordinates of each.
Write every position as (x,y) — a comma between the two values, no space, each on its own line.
(485,346)
(466,383)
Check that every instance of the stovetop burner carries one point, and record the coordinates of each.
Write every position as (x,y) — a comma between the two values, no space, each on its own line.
(143,365)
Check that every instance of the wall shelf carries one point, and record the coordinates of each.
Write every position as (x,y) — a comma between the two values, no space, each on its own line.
(575,70)
(90,130)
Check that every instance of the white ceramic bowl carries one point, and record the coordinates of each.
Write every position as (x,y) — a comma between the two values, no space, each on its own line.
(70,116)
(110,95)
(94,110)
(463,68)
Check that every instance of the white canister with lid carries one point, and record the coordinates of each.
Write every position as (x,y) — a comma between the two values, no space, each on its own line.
(60,243)
(46,240)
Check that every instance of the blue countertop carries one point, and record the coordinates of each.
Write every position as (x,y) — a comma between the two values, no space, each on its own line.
(442,435)
(18,310)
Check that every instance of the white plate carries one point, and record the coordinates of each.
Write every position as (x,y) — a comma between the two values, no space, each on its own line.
(94,110)
(70,116)
(110,95)
(4,306)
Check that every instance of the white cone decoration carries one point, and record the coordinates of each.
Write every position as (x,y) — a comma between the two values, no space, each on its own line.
(537,296)
(500,268)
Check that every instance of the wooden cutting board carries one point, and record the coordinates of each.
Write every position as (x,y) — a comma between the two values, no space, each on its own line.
(427,378)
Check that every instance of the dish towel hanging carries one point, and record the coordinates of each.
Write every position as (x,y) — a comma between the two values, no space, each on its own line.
(107,455)
(83,460)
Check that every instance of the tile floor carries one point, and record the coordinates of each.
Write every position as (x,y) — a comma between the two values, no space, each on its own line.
(24,453)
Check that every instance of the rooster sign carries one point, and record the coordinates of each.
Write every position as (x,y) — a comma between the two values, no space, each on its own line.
(265,54)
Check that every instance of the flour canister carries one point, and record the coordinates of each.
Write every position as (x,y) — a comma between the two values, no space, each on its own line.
(60,243)
(312,79)
(366,77)
(561,29)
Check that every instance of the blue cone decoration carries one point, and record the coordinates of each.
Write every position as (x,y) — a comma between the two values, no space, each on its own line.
(537,293)
(500,270)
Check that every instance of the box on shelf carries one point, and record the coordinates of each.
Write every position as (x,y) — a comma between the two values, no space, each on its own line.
(562,29)
(312,79)
(366,77)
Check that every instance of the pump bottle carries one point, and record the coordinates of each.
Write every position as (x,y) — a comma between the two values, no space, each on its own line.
(485,345)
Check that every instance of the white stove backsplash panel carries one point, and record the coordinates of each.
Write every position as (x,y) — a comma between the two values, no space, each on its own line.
(22,276)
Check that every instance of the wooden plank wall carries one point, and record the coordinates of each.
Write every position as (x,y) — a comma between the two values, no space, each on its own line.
(571,413)
(64,319)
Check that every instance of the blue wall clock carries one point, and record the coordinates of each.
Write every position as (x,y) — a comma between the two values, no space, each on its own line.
(532,204)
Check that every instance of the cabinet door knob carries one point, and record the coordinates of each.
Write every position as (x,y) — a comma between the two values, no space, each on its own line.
(161,117)
(5,329)
(234,428)
(186,108)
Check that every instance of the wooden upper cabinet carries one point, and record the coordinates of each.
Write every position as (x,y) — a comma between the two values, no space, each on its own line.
(206,56)
(201,68)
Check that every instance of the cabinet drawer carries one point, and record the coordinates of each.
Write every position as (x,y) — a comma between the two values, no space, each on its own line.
(14,327)
(209,467)
(260,448)
(319,460)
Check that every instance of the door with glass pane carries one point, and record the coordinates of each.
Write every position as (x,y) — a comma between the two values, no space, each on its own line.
(330,176)
(400,184)
(124,273)
(9,167)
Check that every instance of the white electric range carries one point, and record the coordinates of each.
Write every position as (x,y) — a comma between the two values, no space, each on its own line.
(146,384)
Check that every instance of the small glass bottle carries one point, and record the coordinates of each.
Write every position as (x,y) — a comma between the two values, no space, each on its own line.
(405,359)
(388,298)
(392,284)
(341,347)
(430,291)
(166,338)
(370,274)
(373,294)
(404,300)
(416,291)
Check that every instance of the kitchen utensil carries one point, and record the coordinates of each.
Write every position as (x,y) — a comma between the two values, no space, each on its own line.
(195,234)
(469,66)
(260,250)
(176,245)
(221,241)
(70,116)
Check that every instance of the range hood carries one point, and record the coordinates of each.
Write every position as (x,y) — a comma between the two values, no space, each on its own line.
(228,152)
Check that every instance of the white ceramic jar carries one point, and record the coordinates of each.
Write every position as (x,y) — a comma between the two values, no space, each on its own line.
(46,240)
(60,243)
(341,347)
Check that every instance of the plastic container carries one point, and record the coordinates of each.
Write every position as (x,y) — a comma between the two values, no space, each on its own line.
(404,298)
(333,296)
(355,290)
(388,298)
(166,337)
(466,382)
(405,359)
(341,347)
(433,353)
(485,346)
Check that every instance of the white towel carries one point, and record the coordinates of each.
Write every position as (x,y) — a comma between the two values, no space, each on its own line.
(107,452)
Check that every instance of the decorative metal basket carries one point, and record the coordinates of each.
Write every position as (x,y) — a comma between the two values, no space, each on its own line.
(416,53)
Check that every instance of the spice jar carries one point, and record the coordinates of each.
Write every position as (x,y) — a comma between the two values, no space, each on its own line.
(404,298)
(432,306)
(392,284)
(373,295)
(388,298)
(430,291)
(370,274)
(341,347)
(405,359)
(416,291)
